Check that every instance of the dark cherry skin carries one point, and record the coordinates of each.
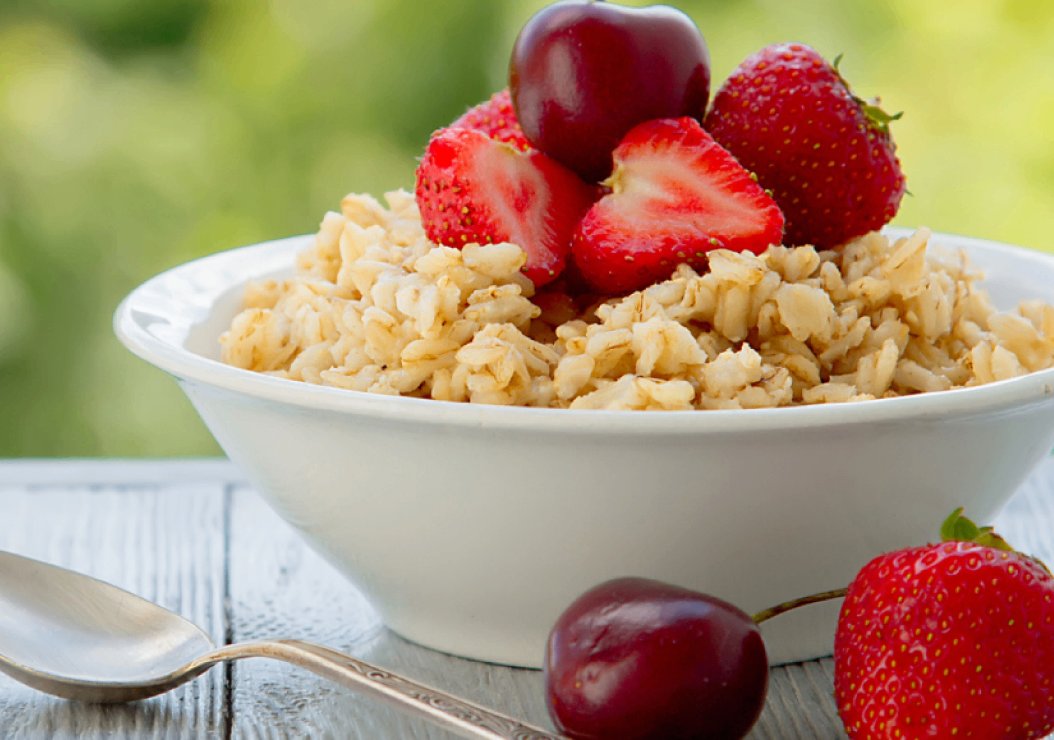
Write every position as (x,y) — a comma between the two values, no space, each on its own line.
(635,658)
(584,72)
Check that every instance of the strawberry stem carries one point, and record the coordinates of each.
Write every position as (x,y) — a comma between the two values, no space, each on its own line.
(775,611)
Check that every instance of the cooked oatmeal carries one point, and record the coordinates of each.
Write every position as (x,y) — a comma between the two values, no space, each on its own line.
(374,306)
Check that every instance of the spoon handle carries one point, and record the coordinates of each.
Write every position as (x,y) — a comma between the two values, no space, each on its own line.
(462,717)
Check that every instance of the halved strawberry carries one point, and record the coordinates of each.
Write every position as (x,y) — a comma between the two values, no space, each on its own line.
(473,189)
(497,119)
(675,195)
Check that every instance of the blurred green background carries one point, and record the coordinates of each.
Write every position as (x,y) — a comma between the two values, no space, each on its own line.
(137,135)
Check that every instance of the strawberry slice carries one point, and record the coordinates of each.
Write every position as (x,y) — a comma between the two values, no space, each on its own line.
(675,195)
(497,119)
(473,189)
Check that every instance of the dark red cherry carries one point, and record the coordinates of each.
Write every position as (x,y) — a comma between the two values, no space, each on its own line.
(584,72)
(635,658)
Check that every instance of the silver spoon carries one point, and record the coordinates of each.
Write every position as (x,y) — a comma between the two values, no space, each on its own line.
(76,637)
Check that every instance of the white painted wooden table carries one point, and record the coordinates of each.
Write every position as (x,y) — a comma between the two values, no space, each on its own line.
(194,537)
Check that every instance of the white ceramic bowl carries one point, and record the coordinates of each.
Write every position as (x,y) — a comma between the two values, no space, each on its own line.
(471,527)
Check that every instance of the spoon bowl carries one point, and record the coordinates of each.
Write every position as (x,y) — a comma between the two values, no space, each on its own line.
(73,630)
(76,637)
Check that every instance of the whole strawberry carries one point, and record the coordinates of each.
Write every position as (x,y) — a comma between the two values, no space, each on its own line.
(827,156)
(497,119)
(953,640)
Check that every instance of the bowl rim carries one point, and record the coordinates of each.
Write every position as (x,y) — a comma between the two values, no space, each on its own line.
(151,303)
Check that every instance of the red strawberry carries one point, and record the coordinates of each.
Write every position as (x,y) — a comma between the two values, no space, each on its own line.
(954,640)
(497,119)
(826,155)
(471,188)
(675,195)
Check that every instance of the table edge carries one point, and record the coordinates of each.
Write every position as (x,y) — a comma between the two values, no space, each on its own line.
(116,471)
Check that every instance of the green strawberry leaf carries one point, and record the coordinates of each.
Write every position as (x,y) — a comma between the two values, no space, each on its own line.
(872,109)
(878,117)
(958,528)
(989,538)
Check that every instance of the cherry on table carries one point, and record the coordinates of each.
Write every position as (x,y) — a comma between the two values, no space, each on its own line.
(635,658)
(584,72)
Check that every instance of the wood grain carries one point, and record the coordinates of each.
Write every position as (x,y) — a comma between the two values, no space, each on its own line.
(191,537)
(165,545)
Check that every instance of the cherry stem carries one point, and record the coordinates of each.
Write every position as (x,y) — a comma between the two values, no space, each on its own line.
(786,606)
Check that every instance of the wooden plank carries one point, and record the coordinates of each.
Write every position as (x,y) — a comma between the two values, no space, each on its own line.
(163,543)
(800,703)
(118,473)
